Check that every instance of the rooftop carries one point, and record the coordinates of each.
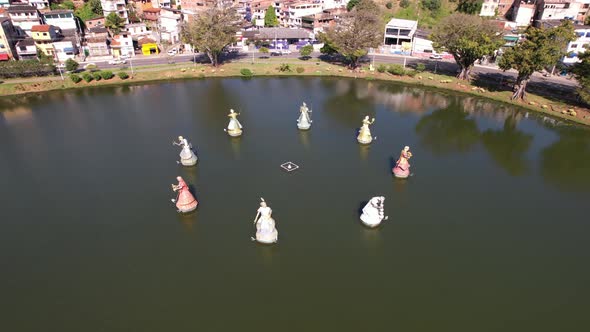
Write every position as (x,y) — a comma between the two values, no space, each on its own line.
(41,28)
(98,29)
(21,8)
(281,33)
(59,11)
(151,10)
(26,42)
(399,23)
(96,40)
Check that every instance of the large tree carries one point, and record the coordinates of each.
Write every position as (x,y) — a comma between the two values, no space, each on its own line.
(472,7)
(356,31)
(582,72)
(212,30)
(114,23)
(468,38)
(270,17)
(542,47)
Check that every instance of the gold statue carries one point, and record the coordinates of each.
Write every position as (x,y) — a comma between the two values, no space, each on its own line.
(234,128)
(364,136)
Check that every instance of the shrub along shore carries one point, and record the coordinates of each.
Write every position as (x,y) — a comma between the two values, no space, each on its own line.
(393,73)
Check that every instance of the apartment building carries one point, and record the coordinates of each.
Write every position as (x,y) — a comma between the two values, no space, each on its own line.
(115,6)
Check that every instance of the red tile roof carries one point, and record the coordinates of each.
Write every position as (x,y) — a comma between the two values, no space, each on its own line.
(151,10)
(41,28)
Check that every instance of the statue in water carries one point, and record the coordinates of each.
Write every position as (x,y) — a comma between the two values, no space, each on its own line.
(304,121)
(234,128)
(265,225)
(364,136)
(187,156)
(185,201)
(402,166)
(373,212)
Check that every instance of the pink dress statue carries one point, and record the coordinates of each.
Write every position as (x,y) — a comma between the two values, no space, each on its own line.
(402,166)
(185,202)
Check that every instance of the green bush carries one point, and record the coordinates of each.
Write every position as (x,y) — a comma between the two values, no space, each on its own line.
(87,77)
(299,70)
(389,5)
(97,76)
(75,78)
(411,73)
(381,68)
(25,68)
(420,67)
(123,75)
(246,72)
(432,5)
(284,67)
(404,3)
(396,70)
(306,51)
(264,51)
(90,67)
(107,74)
(71,65)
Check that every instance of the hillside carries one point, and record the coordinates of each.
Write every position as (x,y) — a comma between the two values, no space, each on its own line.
(426,12)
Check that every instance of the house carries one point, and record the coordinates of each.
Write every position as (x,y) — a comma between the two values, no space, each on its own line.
(152,15)
(277,38)
(148,46)
(557,10)
(122,45)
(291,14)
(97,46)
(258,9)
(161,3)
(322,21)
(398,31)
(5,3)
(195,6)
(9,36)
(24,17)
(39,4)
(137,30)
(115,6)
(170,25)
(98,21)
(64,19)
(44,36)
(98,31)
(26,49)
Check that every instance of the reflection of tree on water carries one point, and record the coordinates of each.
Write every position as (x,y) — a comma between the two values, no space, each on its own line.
(566,163)
(349,107)
(448,130)
(508,146)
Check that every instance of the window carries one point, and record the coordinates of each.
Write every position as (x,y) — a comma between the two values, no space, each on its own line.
(44,33)
(574,46)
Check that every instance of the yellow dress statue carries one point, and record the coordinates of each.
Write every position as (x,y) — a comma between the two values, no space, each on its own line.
(234,128)
(364,136)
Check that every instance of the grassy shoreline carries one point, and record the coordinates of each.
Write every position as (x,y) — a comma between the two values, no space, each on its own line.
(177,72)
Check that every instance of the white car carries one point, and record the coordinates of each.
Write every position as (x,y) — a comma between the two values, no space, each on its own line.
(436,56)
(172,52)
(279,52)
(117,61)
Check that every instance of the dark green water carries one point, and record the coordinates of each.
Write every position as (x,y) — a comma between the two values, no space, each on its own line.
(490,234)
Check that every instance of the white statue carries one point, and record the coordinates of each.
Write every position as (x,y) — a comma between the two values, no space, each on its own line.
(265,225)
(304,121)
(373,212)
(234,128)
(187,156)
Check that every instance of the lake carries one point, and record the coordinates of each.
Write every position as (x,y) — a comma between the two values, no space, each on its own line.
(490,233)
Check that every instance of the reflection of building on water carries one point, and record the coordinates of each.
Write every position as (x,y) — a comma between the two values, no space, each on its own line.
(406,99)
(480,107)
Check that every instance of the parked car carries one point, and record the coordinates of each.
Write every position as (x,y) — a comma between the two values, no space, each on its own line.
(436,56)
(279,52)
(117,61)
(172,52)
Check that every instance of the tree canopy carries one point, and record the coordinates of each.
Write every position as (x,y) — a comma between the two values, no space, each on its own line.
(432,5)
(90,10)
(542,47)
(581,71)
(351,3)
(472,7)
(212,30)
(306,51)
(468,38)
(270,17)
(114,23)
(356,31)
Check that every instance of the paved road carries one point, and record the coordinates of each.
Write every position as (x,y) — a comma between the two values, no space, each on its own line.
(483,73)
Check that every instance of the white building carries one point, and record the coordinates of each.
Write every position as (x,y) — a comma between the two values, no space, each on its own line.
(39,4)
(292,14)
(580,45)
(557,10)
(64,19)
(523,13)
(170,22)
(24,17)
(115,6)
(162,3)
(399,31)
(331,4)
(4,3)
(488,8)
(137,30)
(64,50)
